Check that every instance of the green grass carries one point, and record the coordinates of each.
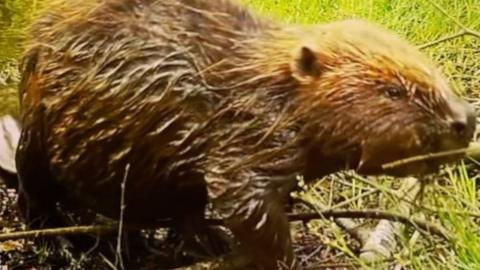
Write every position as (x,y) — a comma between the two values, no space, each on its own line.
(450,200)
(14,18)
(419,21)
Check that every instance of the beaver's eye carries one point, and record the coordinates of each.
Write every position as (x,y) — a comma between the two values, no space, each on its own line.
(394,92)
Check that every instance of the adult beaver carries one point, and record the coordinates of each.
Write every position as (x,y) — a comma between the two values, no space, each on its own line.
(204,102)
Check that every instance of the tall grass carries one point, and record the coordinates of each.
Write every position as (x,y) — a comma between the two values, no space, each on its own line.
(15,16)
(419,21)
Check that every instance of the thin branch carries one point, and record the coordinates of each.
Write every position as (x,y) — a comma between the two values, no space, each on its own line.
(108,262)
(304,217)
(85,255)
(457,22)
(472,33)
(122,213)
(373,214)
(94,229)
(472,151)
(462,33)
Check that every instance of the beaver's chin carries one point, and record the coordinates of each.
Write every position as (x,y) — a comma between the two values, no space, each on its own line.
(372,164)
(369,159)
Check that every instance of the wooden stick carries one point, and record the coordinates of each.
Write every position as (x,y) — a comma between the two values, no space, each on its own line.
(304,217)
(464,32)
(472,151)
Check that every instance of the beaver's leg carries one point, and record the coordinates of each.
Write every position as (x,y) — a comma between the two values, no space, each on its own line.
(197,240)
(38,193)
(190,234)
(38,197)
(254,211)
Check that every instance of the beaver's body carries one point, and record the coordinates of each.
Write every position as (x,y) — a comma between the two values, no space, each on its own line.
(196,100)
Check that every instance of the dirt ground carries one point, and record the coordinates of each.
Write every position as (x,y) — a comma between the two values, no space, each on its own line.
(152,252)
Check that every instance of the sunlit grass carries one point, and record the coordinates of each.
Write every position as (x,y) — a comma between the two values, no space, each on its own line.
(418,20)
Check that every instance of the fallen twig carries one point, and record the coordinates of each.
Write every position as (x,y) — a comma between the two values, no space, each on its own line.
(373,214)
(472,151)
(93,229)
(120,222)
(304,217)
(463,32)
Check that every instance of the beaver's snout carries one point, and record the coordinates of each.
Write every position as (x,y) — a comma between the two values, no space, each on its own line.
(461,119)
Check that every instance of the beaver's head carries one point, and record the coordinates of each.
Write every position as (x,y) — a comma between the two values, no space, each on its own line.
(374,99)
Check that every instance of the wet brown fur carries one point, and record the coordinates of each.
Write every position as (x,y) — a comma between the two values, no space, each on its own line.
(207,102)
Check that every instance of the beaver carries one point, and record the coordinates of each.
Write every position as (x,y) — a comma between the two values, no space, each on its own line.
(190,102)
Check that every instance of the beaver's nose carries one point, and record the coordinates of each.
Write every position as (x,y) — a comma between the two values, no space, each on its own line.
(462,118)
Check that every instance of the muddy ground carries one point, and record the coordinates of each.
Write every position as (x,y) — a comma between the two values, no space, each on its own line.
(153,251)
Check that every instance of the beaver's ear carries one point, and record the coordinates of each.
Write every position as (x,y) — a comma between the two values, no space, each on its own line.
(306,65)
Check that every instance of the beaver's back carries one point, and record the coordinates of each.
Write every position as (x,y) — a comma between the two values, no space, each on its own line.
(121,83)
